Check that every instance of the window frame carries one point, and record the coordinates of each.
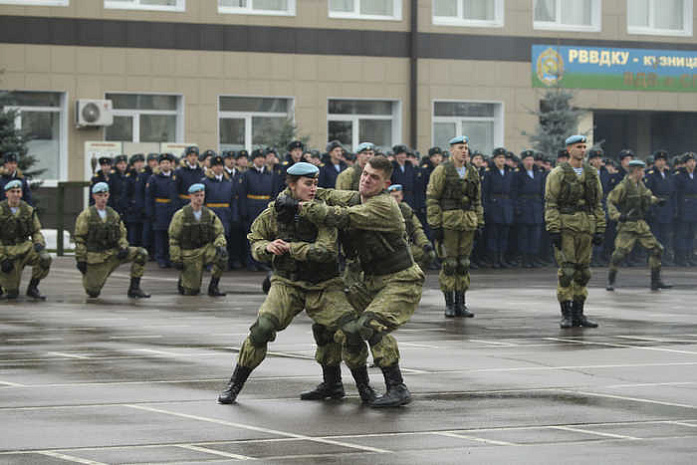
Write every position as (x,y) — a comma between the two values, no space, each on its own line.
(135,114)
(226,10)
(686,31)
(115,5)
(249,115)
(395,117)
(36,2)
(498,21)
(498,119)
(595,26)
(355,14)
(62,110)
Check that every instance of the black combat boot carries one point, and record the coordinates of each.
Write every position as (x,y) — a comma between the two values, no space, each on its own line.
(33,290)
(213,290)
(566,315)
(449,303)
(397,393)
(234,386)
(460,306)
(331,386)
(180,288)
(579,319)
(13,294)
(611,277)
(365,390)
(656,281)
(495,263)
(135,292)
(502,261)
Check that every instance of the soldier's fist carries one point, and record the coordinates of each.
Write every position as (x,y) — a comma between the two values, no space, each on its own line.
(555,237)
(7,265)
(82,266)
(286,207)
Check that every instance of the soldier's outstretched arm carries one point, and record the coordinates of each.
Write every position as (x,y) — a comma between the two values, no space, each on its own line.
(323,249)
(379,213)
(337,197)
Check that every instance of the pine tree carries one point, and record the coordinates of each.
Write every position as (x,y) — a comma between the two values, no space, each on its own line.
(287,133)
(557,120)
(13,140)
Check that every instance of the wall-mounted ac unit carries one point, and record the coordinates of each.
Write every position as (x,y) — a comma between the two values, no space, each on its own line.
(91,112)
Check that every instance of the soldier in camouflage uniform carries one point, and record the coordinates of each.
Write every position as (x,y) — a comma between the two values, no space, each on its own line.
(392,282)
(21,244)
(101,246)
(575,221)
(456,216)
(351,176)
(196,240)
(628,204)
(305,276)
(421,248)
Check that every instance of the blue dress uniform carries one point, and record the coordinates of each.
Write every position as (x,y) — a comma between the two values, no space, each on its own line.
(118,185)
(6,176)
(140,203)
(328,174)
(662,185)
(186,176)
(498,196)
(530,191)
(103,176)
(404,175)
(686,202)
(134,213)
(419,206)
(237,245)
(160,204)
(219,195)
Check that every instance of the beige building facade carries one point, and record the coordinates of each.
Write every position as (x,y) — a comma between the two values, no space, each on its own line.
(224,74)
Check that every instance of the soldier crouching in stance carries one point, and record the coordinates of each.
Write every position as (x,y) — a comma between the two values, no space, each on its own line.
(101,246)
(21,244)
(305,276)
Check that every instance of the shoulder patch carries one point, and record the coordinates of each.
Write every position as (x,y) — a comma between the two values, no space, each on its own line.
(487,169)
(285,162)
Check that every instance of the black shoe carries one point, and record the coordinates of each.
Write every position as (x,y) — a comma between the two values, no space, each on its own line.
(656,282)
(135,292)
(397,393)
(449,304)
(213,290)
(460,306)
(367,393)
(611,276)
(579,319)
(33,290)
(234,386)
(566,315)
(331,387)
(92,295)
(12,295)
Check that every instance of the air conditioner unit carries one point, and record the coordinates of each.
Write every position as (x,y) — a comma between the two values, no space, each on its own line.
(91,112)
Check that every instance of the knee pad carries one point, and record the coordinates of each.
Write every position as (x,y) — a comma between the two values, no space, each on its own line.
(322,334)
(263,330)
(450,266)
(463,265)
(567,274)
(45,260)
(374,330)
(618,255)
(582,275)
(141,257)
(351,333)
(657,251)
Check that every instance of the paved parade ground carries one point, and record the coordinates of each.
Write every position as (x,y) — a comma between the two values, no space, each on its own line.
(117,381)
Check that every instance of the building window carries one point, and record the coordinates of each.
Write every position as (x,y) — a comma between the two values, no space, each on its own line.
(366,9)
(482,122)
(567,15)
(354,121)
(35,2)
(251,122)
(160,5)
(257,7)
(42,117)
(667,17)
(472,13)
(146,118)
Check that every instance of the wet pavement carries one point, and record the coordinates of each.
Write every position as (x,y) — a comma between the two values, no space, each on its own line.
(116,381)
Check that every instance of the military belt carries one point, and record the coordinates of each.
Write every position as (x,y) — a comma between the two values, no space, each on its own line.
(307,276)
(530,196)
(218,205)
(183,197)
(161,200)
(258,197)
(574,209)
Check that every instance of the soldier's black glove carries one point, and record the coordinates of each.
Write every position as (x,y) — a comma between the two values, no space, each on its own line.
(7,265)
(178,265)
(598,238)
(661,202)
(38,247)
(479,232)
(286,207)
(82,266)
(221,252)
(123,253)
(555,237)
(622,218)
(438,234)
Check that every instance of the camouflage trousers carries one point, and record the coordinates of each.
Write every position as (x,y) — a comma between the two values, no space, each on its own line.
(40,263)
(97,273)
(386,303)
(455,272)
(574,260)
(628,235)
(195,260)
(326,305)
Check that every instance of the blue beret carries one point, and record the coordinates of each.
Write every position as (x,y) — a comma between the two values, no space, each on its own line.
(303,169)
(197,187)
(638,163)
(14,184)
(363,146)
(100,187)
(575,139)
(459,140)
(394,187)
